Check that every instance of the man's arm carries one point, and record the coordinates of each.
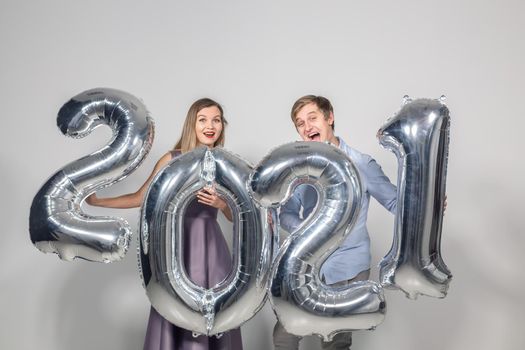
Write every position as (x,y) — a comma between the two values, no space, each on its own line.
(379,186)
(289,217)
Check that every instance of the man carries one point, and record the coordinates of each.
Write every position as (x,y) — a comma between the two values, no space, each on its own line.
(313,117)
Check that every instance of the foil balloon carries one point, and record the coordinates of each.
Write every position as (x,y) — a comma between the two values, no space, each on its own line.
(302,302)
(172,293)
(57,223)
(419,136)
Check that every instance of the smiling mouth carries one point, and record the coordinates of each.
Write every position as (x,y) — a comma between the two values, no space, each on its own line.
(209,135)
(315,136)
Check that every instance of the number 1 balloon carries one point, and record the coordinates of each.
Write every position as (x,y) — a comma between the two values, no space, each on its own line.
(419,136)
(57,223)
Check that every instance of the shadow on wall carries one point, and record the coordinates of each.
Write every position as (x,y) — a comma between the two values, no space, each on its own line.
(480,307)
(93,305)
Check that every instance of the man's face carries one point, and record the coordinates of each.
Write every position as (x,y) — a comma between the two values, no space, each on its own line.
(312,125)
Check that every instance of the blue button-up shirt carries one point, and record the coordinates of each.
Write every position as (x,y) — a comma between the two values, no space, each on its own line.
(353,254)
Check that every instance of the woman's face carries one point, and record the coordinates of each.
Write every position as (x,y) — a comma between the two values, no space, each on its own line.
(208,126)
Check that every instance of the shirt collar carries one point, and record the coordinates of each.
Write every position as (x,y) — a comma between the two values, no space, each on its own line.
(342,144)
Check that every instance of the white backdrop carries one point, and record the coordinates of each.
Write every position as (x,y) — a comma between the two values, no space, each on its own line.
(256,59)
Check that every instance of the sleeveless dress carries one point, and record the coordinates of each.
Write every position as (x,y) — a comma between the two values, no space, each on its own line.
(207,261)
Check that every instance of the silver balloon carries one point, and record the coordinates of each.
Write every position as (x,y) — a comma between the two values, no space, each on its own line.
(302,302)
(419,136)
(57,223)
(242,293)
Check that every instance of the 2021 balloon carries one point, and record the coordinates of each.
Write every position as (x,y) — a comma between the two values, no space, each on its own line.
(237,298)
(56,222)
(419,136)
(304,304)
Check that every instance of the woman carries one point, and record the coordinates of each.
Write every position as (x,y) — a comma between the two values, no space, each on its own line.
(206,255)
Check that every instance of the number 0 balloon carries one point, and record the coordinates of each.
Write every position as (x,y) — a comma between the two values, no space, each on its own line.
(237,298)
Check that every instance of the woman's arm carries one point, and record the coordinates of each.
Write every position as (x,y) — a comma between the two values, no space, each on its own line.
(130,200)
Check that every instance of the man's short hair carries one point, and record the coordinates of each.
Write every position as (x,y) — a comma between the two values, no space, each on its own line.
(321,102)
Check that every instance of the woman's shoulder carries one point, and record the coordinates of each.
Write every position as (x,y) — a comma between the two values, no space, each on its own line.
(167,157)
(174,153)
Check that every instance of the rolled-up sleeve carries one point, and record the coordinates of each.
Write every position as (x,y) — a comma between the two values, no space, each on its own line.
(379,185)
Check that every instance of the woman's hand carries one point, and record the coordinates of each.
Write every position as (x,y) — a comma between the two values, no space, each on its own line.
(209,196)
(92,199)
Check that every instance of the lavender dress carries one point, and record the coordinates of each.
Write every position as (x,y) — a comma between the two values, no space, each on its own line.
(207,261)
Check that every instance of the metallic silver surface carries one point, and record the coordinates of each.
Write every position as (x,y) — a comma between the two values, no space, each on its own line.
(419,136)
(57,223)
(240,295)
(301,301)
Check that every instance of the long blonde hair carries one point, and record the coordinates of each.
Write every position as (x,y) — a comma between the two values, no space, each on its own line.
(188,138)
